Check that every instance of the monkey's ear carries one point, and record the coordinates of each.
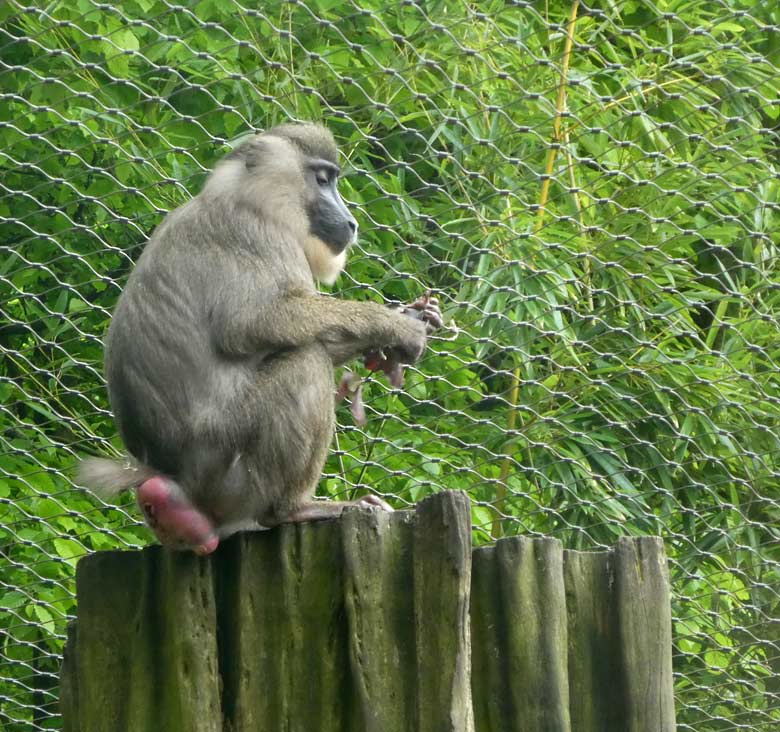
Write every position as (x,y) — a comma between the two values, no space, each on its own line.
(255,153)
(251,153)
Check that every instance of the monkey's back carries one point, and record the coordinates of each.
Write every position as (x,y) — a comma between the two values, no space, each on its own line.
(157,350)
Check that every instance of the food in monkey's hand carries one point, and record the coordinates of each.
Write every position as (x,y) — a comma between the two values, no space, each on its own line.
(351,385)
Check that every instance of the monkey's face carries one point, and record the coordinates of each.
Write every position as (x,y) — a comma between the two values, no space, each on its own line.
(329,219)
(290,176)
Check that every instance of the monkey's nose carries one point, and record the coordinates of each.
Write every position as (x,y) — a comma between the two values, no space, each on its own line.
(353,226)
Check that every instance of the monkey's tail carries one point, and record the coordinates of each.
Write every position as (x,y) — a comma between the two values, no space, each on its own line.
(108,477)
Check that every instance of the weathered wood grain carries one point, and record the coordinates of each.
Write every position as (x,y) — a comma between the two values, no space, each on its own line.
(566,641)
(374,622)
(358,624)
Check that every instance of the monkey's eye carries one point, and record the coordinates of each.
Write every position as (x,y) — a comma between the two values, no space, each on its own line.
(323,177)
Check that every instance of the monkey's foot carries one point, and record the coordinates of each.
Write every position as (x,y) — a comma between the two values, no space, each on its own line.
(320,510)
(173,519)
(371,501)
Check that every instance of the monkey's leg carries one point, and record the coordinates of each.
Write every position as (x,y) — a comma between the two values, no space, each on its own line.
(175,521)
(283,422)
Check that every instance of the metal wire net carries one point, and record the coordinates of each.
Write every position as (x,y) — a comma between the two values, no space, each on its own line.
(592,191)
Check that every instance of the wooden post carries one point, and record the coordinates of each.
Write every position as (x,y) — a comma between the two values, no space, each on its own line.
(520,679)
(363,625)
(359,624)
(567,641)
(143,652)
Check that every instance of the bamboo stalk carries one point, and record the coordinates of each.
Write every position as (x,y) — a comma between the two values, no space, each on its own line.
(544,194)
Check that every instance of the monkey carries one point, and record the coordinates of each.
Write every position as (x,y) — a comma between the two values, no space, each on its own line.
(220,353)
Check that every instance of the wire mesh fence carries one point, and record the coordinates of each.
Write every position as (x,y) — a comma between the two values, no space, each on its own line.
(591,191)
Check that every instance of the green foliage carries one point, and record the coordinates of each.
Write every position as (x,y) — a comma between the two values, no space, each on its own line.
(639,310)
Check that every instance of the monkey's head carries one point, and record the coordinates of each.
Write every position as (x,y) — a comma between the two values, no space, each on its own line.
(289,174)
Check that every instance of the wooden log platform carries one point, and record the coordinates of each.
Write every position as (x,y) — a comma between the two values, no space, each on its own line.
(373,622)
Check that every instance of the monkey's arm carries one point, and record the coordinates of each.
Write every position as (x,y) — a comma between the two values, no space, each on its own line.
(346,329)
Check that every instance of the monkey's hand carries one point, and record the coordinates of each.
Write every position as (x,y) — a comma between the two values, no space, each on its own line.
(425,308)
(391,360)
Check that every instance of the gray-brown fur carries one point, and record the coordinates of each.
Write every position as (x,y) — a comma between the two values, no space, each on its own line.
(220,354)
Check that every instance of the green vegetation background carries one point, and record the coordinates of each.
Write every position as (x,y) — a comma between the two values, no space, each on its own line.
(637,309)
